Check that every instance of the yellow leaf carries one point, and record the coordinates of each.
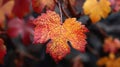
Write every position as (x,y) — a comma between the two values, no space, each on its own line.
(97,9)
(110,61)
(102,61)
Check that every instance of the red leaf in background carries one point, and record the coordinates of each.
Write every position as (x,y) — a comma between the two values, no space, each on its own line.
(2,51)
(29,27)
(39,5)
(111,45)
(21,8)
(26,38)
(116,5)
(48,27)
(15,27)
(112,2)
(18,27)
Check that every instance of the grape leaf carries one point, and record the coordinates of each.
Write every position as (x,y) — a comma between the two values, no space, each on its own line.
(111,45)
(39,5)
(5,9)
(48,27)
(2,51)
(21,8)
(97,9)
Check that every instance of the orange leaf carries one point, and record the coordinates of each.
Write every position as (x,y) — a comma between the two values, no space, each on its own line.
(110,61)
(97,9)
(48,27)
(102,61)
(39,5)
(5,9)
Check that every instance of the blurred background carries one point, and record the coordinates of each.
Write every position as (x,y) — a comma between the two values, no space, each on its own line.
(17,34)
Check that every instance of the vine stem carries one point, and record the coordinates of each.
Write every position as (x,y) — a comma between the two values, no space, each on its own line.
(60,9)
(99,29)
(93,51)
(70,7)
(102,31)
(65,13)
(59,6)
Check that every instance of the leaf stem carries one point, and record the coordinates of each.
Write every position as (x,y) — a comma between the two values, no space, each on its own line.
(59,6)
(65,13)
(102,31)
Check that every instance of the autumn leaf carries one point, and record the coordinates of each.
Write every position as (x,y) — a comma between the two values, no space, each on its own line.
(97,9)
(18,27)
(115,4)
(5,9)
(111,44)
(48,27)
(21,8)
(15,27)
(110,61)
(2,51)
(28,31)
(39,5)
(112,2)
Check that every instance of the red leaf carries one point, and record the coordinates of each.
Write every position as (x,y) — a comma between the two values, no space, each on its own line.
(116,5)
(2,51)
(21,8)
(17,27)
(39,5)
(111,45)
(48,27)
(26,38)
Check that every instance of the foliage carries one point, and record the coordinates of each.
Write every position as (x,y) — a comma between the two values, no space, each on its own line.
(5,9)
(39,5)
(110,61)
(63,28)
(2,51)
(111,45)
(48,27)
(97,9)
